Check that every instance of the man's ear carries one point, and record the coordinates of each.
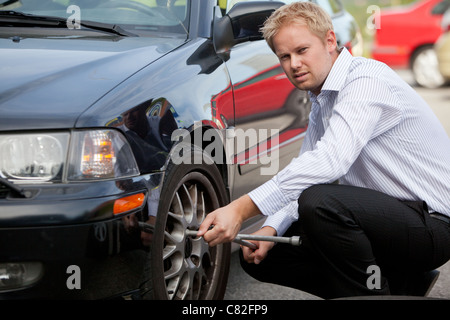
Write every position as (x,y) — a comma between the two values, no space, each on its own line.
(331,41)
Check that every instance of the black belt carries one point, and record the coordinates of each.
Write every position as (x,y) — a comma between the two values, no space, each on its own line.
(440,216)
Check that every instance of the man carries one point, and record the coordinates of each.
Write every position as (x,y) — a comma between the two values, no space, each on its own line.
(389,214)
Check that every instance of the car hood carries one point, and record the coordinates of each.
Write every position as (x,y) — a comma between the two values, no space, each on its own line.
(48,83)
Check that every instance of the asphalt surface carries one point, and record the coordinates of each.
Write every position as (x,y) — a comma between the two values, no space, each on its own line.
(243,287)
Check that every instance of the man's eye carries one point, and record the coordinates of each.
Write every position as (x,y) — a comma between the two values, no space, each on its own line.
(302,50)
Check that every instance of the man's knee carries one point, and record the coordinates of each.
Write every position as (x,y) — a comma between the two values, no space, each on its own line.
(311,197)
(317,204)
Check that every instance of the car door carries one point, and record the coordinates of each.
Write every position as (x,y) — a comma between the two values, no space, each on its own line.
(271,115)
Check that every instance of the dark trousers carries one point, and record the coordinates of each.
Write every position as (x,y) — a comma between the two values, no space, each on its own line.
(350,236)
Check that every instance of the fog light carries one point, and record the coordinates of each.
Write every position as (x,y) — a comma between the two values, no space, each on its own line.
(16,275)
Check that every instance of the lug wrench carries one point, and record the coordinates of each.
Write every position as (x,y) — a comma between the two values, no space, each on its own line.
(295,240)
(251,245)
(241,239)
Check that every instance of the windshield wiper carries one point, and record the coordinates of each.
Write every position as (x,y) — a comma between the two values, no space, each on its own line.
(10,17)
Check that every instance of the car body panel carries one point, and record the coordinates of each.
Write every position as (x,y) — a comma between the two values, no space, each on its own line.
(97,63)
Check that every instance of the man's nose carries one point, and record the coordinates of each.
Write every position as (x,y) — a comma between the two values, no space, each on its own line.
(296,62)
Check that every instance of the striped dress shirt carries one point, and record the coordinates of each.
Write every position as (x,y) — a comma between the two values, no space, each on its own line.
(367,128)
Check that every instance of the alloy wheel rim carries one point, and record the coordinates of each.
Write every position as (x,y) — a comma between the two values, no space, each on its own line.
(190,265)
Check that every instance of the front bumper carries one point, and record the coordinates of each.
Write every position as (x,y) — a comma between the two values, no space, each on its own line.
(82,249)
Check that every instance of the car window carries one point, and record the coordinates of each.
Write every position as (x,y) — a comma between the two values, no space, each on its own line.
(441,7)
(160,15)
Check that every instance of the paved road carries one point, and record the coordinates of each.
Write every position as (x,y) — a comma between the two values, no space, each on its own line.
(243,287)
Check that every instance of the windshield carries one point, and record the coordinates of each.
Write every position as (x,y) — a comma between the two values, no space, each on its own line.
(136,16)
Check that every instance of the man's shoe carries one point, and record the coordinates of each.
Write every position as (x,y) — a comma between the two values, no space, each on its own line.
(422,285)
(430,279)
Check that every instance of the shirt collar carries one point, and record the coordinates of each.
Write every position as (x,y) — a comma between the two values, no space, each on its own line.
(336,78)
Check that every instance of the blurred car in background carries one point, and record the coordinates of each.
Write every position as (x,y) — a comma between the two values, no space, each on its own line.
(406,39)
(442,47)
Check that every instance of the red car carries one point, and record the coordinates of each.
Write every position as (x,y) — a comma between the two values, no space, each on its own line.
(405,38)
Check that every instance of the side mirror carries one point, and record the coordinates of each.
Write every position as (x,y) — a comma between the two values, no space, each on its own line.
(242,23)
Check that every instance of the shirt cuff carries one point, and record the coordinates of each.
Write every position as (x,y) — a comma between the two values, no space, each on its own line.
(269,198)
(282,220)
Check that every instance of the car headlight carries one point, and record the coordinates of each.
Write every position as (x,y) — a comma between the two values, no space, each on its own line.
(33,156)
(66,156)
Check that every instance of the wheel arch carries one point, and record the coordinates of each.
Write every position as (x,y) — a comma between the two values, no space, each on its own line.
(199,136)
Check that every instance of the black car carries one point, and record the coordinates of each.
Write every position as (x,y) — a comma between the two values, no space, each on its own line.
(121,127)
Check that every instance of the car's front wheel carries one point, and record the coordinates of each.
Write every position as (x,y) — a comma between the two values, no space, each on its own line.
(186,267)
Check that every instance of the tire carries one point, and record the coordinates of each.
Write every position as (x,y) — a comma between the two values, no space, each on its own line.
(186,268)
(425,68)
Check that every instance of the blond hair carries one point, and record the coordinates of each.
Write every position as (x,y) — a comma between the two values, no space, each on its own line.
(315,18)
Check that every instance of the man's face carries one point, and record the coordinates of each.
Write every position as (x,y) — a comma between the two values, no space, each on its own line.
(305,58)
(134,119)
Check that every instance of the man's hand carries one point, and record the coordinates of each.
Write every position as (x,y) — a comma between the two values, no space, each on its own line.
(227,221)
(258,255)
